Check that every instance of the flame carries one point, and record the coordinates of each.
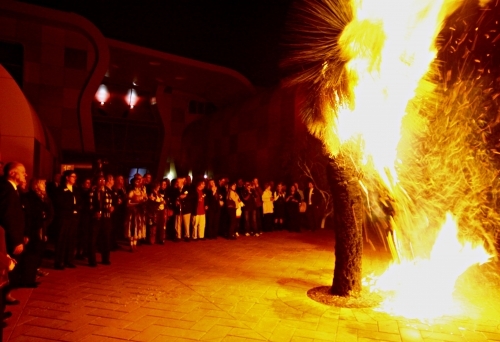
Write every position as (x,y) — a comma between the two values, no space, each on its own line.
(390,46)
(423,288)
(386,129)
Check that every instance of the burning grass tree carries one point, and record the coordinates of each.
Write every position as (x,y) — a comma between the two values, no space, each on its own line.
(396,122)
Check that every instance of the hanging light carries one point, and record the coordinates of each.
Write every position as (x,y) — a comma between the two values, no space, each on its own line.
(102,94)
(131,98)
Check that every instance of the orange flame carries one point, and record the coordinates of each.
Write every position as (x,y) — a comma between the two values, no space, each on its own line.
(390,46)
(423,288)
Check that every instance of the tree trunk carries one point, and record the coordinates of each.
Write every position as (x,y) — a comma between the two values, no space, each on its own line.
(348,227)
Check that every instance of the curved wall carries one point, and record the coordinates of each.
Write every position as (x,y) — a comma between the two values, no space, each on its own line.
(22,136)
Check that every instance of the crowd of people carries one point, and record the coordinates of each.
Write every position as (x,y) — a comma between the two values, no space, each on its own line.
(87,217)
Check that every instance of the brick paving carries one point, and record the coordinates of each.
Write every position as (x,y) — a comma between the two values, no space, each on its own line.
(252,289)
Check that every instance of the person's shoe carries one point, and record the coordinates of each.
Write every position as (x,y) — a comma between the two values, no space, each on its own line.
(42,273)
(106,263)
(256,234)
(70,265)
(58,267)
(247,234)
(7,314)
(236,234)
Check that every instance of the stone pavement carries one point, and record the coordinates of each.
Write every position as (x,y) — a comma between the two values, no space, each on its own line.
(252,289)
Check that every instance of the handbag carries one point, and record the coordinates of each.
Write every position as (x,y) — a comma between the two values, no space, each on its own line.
(302,207)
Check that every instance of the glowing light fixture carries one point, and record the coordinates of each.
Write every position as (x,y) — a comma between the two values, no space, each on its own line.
(132,98)
(102,94)
(153,101)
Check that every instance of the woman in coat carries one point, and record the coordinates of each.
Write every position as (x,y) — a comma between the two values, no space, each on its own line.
(214,202)
(267,207)
(39,215)
(292,209)
(233,204)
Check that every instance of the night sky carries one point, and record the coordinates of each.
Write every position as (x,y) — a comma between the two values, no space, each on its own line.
(244,35)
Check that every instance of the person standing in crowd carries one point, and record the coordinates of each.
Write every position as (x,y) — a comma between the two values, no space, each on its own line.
(258,204)
(12,216)
(279,206)
(135,225)
(155,209)
(292,209)
(199,208)
(52,190)
(171,211)
(175,193)
(233,203)
(313,207)
(53,186)
(101,209)
(249,210)
(222,188)
(267,208)
(7,264)
(161,230)
(214,204)
(82,243)
(39,213)
(147,182)
(66,205)
(185,199)
(120,205)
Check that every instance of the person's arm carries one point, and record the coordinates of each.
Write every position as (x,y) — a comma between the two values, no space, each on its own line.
(130,196)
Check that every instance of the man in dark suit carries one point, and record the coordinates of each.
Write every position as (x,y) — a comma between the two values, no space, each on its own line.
(11,214)
(313,212)
(101,209)
(66,205)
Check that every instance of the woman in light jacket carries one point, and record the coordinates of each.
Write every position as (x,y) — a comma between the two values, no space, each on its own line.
(267,207)
(233,203)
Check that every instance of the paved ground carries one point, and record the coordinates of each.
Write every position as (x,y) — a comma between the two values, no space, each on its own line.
(245,290)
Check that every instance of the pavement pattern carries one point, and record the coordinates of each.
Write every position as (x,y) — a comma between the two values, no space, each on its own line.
(251,289)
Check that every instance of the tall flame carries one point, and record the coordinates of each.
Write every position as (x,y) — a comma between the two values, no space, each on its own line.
(390,46)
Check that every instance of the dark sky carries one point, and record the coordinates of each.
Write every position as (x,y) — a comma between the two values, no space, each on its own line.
(244,35)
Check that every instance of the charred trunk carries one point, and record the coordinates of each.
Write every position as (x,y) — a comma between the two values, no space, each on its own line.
(348,227)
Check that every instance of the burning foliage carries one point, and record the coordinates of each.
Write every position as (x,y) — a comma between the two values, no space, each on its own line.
(408,92)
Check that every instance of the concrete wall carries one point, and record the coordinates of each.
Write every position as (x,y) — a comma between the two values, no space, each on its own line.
(252,139)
